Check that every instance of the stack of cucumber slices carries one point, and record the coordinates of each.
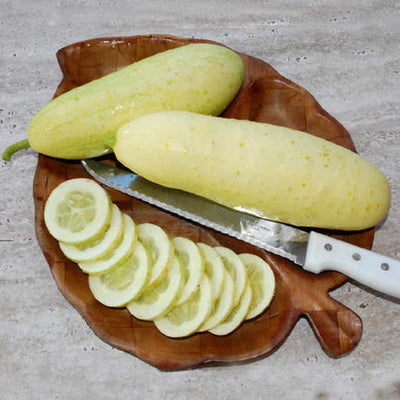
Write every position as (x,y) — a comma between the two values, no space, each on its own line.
(182,286)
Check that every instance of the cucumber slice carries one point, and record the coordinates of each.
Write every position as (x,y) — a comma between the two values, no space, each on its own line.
(234,265)
(118,255)
(77,211)
(98,248)
(125,283)
(184,319)
(160,249)
(193,265)
(222,306)
(158,300)
(262,281)
(237,315)
(213,268)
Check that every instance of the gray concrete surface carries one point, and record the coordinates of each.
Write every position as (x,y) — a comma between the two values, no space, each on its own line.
(345,53)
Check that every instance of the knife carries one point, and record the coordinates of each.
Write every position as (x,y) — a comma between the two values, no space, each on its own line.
(313,251)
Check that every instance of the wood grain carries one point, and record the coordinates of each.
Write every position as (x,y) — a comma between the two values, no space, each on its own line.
(265,96)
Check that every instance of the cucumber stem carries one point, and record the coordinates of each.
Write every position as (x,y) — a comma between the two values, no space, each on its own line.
(10,150)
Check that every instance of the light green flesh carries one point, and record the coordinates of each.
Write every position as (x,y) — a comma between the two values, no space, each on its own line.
(221,307)
(76,211)
(255,277)
(84,246)
(154,253)
(234,266)
(99,247)
(82,123)
(118,254)
(152,296)
(156,301)
(229,266)
(122,277)
(213,268)
(125,283)
(184,259)
(192,264)
(159,247)
(232,315)
(186,318)
(236,316)
(262,281)
(215,307)
(185,311)
(209,270)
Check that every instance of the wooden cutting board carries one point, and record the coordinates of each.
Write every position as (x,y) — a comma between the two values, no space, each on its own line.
(265,96)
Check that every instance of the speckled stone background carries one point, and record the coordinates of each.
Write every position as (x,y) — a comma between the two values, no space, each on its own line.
(346,53)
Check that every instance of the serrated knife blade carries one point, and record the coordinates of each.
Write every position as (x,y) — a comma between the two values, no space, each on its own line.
(313,251)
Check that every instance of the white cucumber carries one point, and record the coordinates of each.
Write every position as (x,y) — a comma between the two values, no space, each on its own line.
(271,171)
(82,122)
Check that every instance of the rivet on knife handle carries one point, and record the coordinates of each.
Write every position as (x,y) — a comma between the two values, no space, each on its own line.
(374,270)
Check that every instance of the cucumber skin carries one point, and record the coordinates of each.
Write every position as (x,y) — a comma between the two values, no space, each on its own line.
(82,123)
(273,172)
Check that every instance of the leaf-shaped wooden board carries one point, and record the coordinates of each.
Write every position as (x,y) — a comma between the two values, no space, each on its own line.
(265,96)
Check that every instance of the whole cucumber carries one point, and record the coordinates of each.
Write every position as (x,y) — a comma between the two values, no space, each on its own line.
(271,171)
(82,123)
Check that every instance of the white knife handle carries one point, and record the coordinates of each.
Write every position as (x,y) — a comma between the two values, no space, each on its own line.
(371,269)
